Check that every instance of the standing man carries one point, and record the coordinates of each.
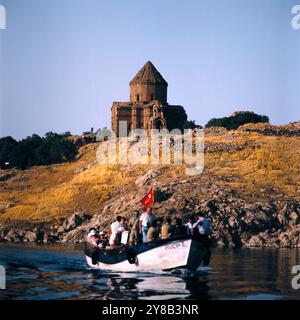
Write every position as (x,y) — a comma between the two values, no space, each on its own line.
(202,231)
(144,225)
(146,220)
(116,228)
(202,228)
(134,224)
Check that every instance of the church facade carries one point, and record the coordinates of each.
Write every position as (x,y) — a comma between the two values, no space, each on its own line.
(148,107)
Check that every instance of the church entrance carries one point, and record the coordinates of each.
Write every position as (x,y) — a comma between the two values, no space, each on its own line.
(158,124)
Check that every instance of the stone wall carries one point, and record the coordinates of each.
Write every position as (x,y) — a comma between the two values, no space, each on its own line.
(147,93)
(145,116)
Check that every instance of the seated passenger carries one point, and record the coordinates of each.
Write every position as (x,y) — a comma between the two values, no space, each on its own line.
(102,242)
(152,234)
(93,237)
(159,225)
(166,229)
(179,229)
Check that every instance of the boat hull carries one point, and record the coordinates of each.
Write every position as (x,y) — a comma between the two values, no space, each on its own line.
(183,253)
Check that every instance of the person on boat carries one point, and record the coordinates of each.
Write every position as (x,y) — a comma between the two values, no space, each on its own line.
(122,228)
(93,237)
(172,226)
(189,225)
(179,229)
(146,220)
(116,229)
(152,234)
(102,242)
(202,229)
(166,231)
(134,225)
(160,222)
(91,233)
(202,232)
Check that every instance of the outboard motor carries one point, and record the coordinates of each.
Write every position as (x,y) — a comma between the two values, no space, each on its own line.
(95,257)
(131,255)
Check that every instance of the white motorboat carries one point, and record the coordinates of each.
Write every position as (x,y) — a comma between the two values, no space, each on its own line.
(182,252)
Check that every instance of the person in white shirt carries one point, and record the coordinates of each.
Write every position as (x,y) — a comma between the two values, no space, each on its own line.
(189,225)
(146,219)
(116,228)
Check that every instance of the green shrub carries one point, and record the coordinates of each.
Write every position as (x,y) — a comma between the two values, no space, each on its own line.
(237,119)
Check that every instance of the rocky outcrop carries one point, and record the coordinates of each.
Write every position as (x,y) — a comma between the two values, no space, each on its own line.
(148,178)
(44,233)
(223,147)
(12,236)
(237,220)
(75,220)
(215,131)
(6,174)
(30,236)
(290,130)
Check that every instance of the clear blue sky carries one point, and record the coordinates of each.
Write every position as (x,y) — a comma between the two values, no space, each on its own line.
(63,62)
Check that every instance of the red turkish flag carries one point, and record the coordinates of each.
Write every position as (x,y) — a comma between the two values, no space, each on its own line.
(148,200)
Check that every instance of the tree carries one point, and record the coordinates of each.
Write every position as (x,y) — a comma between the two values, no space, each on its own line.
(191,124)
(237,119)
(7,145)
(36,150)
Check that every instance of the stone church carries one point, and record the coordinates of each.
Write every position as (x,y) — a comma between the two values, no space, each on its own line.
(148,107)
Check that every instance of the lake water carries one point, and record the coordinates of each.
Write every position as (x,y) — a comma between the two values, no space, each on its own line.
(38,272)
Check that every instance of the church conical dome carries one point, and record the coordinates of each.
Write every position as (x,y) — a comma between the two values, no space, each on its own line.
(148,85)
(148,75)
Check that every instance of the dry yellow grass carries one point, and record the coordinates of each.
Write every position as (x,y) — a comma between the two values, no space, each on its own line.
(267,161)
(49,193)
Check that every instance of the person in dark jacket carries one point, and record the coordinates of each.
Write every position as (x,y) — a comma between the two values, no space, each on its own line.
(134,225)
(179,229)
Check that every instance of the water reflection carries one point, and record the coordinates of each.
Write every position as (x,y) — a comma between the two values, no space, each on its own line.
(60,272)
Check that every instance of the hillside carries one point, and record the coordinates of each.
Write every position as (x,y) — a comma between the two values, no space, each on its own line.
(253,169)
